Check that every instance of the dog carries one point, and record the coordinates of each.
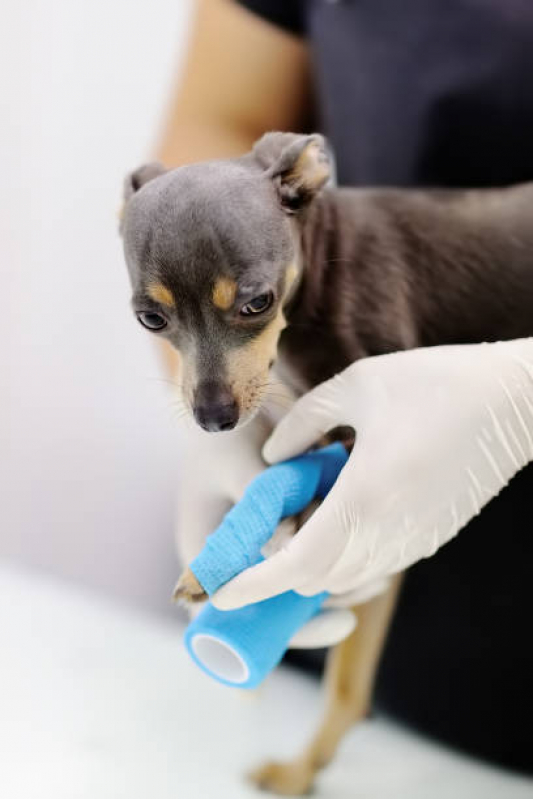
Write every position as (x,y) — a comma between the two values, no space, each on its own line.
(251,262)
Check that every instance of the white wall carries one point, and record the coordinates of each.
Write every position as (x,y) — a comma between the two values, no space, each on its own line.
(87,469)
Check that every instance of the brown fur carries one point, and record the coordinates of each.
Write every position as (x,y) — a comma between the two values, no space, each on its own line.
(389,270)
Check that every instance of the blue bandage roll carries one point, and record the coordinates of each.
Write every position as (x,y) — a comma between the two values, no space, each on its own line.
(240,647)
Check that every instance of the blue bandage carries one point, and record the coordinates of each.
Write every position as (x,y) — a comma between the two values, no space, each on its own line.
(282,490)
(240,647)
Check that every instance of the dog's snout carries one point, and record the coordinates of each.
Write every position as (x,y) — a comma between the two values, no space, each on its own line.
(215,408)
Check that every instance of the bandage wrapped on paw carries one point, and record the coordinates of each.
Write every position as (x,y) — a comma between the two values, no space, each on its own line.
(240,647)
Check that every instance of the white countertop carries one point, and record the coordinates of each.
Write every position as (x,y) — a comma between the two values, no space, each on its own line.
(101,702)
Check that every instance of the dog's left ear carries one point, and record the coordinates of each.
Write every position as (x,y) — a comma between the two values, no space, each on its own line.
(137,179)
(298,165)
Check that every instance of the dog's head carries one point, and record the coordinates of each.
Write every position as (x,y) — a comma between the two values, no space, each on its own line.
(213,255)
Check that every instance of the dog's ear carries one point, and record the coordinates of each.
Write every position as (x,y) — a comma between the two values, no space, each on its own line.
(298,165)
(136,180)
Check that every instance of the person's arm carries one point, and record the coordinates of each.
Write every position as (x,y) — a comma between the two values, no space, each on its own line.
(242,76)
(439,432)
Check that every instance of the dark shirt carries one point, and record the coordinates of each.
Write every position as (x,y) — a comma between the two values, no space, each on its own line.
(417,92)
(440,92)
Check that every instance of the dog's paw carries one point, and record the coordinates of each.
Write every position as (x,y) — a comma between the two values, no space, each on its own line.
(188,589)
(286,779)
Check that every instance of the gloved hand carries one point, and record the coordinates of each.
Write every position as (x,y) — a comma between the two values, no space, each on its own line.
(439,432)
(215,470)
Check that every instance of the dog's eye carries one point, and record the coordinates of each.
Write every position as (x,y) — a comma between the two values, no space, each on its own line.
(152,321)
(258,304)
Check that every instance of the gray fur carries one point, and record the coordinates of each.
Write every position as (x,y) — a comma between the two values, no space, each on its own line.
(382,269)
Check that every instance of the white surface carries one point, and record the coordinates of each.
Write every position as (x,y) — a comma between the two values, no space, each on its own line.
(99,702)
(87,430)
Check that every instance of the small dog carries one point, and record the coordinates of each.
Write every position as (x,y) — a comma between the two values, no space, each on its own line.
(246,262)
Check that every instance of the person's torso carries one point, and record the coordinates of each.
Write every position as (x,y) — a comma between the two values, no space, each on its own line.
(425,92)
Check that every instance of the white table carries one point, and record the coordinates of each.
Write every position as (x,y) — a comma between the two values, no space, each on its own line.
(101,702)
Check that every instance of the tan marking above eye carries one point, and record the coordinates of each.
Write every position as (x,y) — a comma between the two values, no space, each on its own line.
(224,292)
(159,293)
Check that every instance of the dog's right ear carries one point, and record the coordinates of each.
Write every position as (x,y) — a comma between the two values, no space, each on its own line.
(137,179)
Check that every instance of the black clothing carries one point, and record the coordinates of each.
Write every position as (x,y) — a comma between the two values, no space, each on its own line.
(418,92)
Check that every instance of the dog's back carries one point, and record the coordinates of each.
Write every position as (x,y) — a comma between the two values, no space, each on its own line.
(389,269)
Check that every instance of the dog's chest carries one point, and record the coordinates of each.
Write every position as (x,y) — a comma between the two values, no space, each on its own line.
(309,354)
(287,374)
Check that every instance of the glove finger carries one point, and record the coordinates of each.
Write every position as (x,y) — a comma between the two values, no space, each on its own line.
(274,576)
(358,596)
(327,628)
(301,562)
(307,421)
(283,534)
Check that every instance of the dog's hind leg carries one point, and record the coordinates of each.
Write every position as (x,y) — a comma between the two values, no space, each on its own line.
(349,680)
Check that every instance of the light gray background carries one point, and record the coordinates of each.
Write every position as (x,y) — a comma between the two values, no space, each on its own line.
(88,468)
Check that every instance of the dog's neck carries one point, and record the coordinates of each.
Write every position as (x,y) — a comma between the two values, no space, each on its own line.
(384,270)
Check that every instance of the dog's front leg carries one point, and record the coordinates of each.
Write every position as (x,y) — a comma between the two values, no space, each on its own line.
(349,680)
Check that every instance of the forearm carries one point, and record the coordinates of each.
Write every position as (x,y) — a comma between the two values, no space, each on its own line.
(186,140)
(241,76)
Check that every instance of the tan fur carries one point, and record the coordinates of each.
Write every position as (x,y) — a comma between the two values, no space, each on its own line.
(188,589)
(311,168)
(350,673)
(248,366)
(290,280)
(224,292)
(159,293)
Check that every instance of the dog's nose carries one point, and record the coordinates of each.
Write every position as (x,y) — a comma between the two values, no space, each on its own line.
(215,408)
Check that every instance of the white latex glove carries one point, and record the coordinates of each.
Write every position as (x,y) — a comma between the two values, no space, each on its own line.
(439,432)
(215,470)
